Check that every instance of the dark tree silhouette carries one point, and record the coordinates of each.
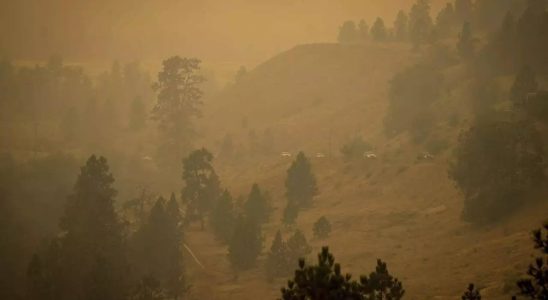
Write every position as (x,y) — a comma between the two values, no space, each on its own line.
(222,218)
(257,206)
(326,281)
(465,44)
(348,33)
(202,186)
(178,103)
(246,243)
(536,286)
(378,31)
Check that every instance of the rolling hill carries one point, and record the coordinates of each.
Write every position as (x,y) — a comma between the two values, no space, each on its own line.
(315,98)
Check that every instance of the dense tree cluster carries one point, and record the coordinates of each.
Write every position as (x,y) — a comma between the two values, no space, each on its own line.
(283,254)
(326,281)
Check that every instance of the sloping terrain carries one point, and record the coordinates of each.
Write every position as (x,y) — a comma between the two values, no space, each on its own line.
(407,212)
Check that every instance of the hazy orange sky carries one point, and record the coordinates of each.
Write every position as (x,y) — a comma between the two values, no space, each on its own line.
(215,30)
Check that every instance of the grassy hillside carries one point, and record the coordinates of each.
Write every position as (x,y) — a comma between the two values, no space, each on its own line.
(315,98)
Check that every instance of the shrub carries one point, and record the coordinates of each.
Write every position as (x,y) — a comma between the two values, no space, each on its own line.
(322,228)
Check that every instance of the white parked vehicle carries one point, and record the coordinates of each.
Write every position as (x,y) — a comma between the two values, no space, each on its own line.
(286,154)
(369,155)
(320,155)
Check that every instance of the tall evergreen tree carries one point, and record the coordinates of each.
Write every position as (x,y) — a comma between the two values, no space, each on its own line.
(378,30)
(400,26)
(246,243)
(277,260)
(202,186)
(348,33)
(300,183)
(297,246)
(223,217)
(363,30)
(158,248)
(445,21)
(420,23)
(93,240)
(38,284)
(178,102)
(257,206)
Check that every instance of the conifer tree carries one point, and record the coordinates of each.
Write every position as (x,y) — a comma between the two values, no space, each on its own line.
(257,206)
(445,21)
(246,243)
(179,98)
(158,248)
(348,33)
(400,26)
(297,246)
(223,217)
(463,11)
(536,286)
(300,183)
(322,228)
(277,262)
(378,30)
(420,23)
(202,186)
(91,223)
(326,281)
(363,30)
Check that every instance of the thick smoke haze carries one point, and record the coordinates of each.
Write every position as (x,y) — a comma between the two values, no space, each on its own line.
(215,30)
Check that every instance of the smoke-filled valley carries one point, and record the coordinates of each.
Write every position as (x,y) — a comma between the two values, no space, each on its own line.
(257,150)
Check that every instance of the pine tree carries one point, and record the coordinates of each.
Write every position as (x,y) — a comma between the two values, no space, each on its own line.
(277,262)
(202,186)
(465,45)
(524,84)
(322,228)
(400,26)
(420,23)
(326,281)
(536,286)
(445,21)
(378,30)
(91,223)
(223,217)
(246,244)
(158,248)
(297,246)
(257,206)
(300,183)
(178,103)
(363,30)
(348,33)
(471,293)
